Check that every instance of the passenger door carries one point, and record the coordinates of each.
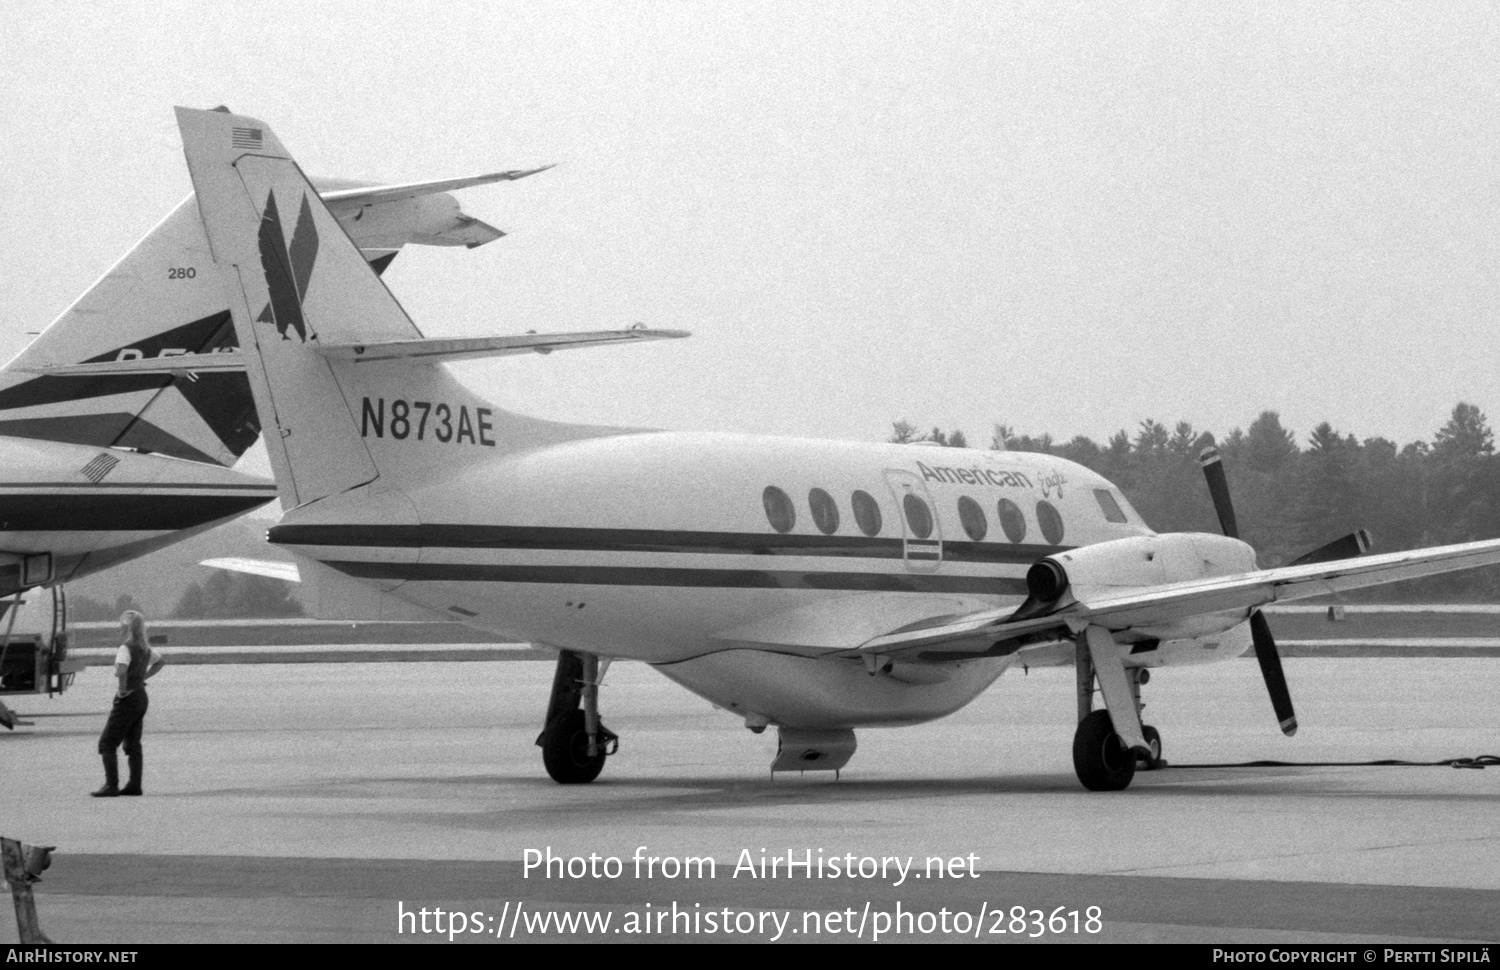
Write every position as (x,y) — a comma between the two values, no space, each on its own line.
(920,526)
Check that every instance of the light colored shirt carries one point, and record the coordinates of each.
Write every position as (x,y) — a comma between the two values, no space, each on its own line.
(122,656)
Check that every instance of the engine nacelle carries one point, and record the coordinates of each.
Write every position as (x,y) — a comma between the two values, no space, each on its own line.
(1092,572)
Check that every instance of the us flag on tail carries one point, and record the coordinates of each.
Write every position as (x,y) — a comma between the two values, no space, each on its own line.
(246,138)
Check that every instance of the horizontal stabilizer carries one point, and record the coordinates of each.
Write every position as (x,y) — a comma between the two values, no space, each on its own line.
(228,361)
(371,194)
(461,348)
(271,569)
(466,348)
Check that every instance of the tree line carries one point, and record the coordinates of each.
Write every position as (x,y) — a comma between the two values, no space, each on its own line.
(1291,497)
(223,596)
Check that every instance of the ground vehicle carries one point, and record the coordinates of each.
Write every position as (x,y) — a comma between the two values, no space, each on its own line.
(34,647)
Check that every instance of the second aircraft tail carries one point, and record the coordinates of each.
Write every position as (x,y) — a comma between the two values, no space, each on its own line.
(160,300)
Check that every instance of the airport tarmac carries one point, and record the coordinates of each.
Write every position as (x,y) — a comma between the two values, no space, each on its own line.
(317,802)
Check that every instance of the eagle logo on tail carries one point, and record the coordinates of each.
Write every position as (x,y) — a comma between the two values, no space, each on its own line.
(288,269)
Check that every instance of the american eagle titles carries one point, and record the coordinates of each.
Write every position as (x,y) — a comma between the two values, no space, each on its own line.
(974,475)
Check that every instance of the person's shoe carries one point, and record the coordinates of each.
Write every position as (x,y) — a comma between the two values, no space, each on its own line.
(108,791)
(131,790)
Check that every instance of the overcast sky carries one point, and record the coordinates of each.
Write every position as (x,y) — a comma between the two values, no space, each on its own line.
(1066,218)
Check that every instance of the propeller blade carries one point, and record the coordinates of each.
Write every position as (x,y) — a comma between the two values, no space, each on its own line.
(1218,490)
(1270,669)
(1260,630)
(1351,546)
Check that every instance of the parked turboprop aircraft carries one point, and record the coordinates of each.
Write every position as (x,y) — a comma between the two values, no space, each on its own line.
(818,586)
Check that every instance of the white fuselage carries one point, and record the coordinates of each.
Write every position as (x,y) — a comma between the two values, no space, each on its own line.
(669,548)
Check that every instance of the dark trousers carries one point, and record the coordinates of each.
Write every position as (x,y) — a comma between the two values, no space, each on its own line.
(126,720)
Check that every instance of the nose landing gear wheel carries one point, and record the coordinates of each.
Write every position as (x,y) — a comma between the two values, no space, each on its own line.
(1102,761)
(565,751)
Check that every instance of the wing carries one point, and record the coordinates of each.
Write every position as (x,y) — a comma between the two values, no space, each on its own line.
(994,632)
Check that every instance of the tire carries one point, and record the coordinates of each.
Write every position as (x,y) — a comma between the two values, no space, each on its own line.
(565,747)
(1153,741)
(1102,762)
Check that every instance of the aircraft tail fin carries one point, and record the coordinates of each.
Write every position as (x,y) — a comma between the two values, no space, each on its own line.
(290,284)
(161,300)
(300,293)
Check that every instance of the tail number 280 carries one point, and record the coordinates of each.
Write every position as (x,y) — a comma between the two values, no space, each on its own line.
(420,420)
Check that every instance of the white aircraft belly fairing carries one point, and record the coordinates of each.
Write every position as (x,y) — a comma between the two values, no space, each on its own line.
(816,586)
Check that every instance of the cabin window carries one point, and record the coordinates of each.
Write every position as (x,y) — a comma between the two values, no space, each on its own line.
(1051,522)
(779,509)
(866,513)
(918,516)
(1111,508)
(825,511)
(1011,520)
(972,517)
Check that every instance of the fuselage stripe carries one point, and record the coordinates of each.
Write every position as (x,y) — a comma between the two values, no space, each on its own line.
(116,486)
(442,536)
(118,513)
(700,578)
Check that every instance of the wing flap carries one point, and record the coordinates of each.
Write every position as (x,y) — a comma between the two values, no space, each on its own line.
(974,633)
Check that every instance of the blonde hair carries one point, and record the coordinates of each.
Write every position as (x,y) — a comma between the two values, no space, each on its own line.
(135,623)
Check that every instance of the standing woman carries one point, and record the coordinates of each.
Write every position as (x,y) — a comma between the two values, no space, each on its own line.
(135,663)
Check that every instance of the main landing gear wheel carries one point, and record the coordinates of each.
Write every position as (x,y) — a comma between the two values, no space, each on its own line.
(565,751)
(1100,758)
(573,708)
(1153,741)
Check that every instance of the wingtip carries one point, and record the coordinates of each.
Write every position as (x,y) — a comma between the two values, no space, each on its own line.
(514,174)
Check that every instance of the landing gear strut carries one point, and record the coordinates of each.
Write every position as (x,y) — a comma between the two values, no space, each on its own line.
(574,742)
(1102,757)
